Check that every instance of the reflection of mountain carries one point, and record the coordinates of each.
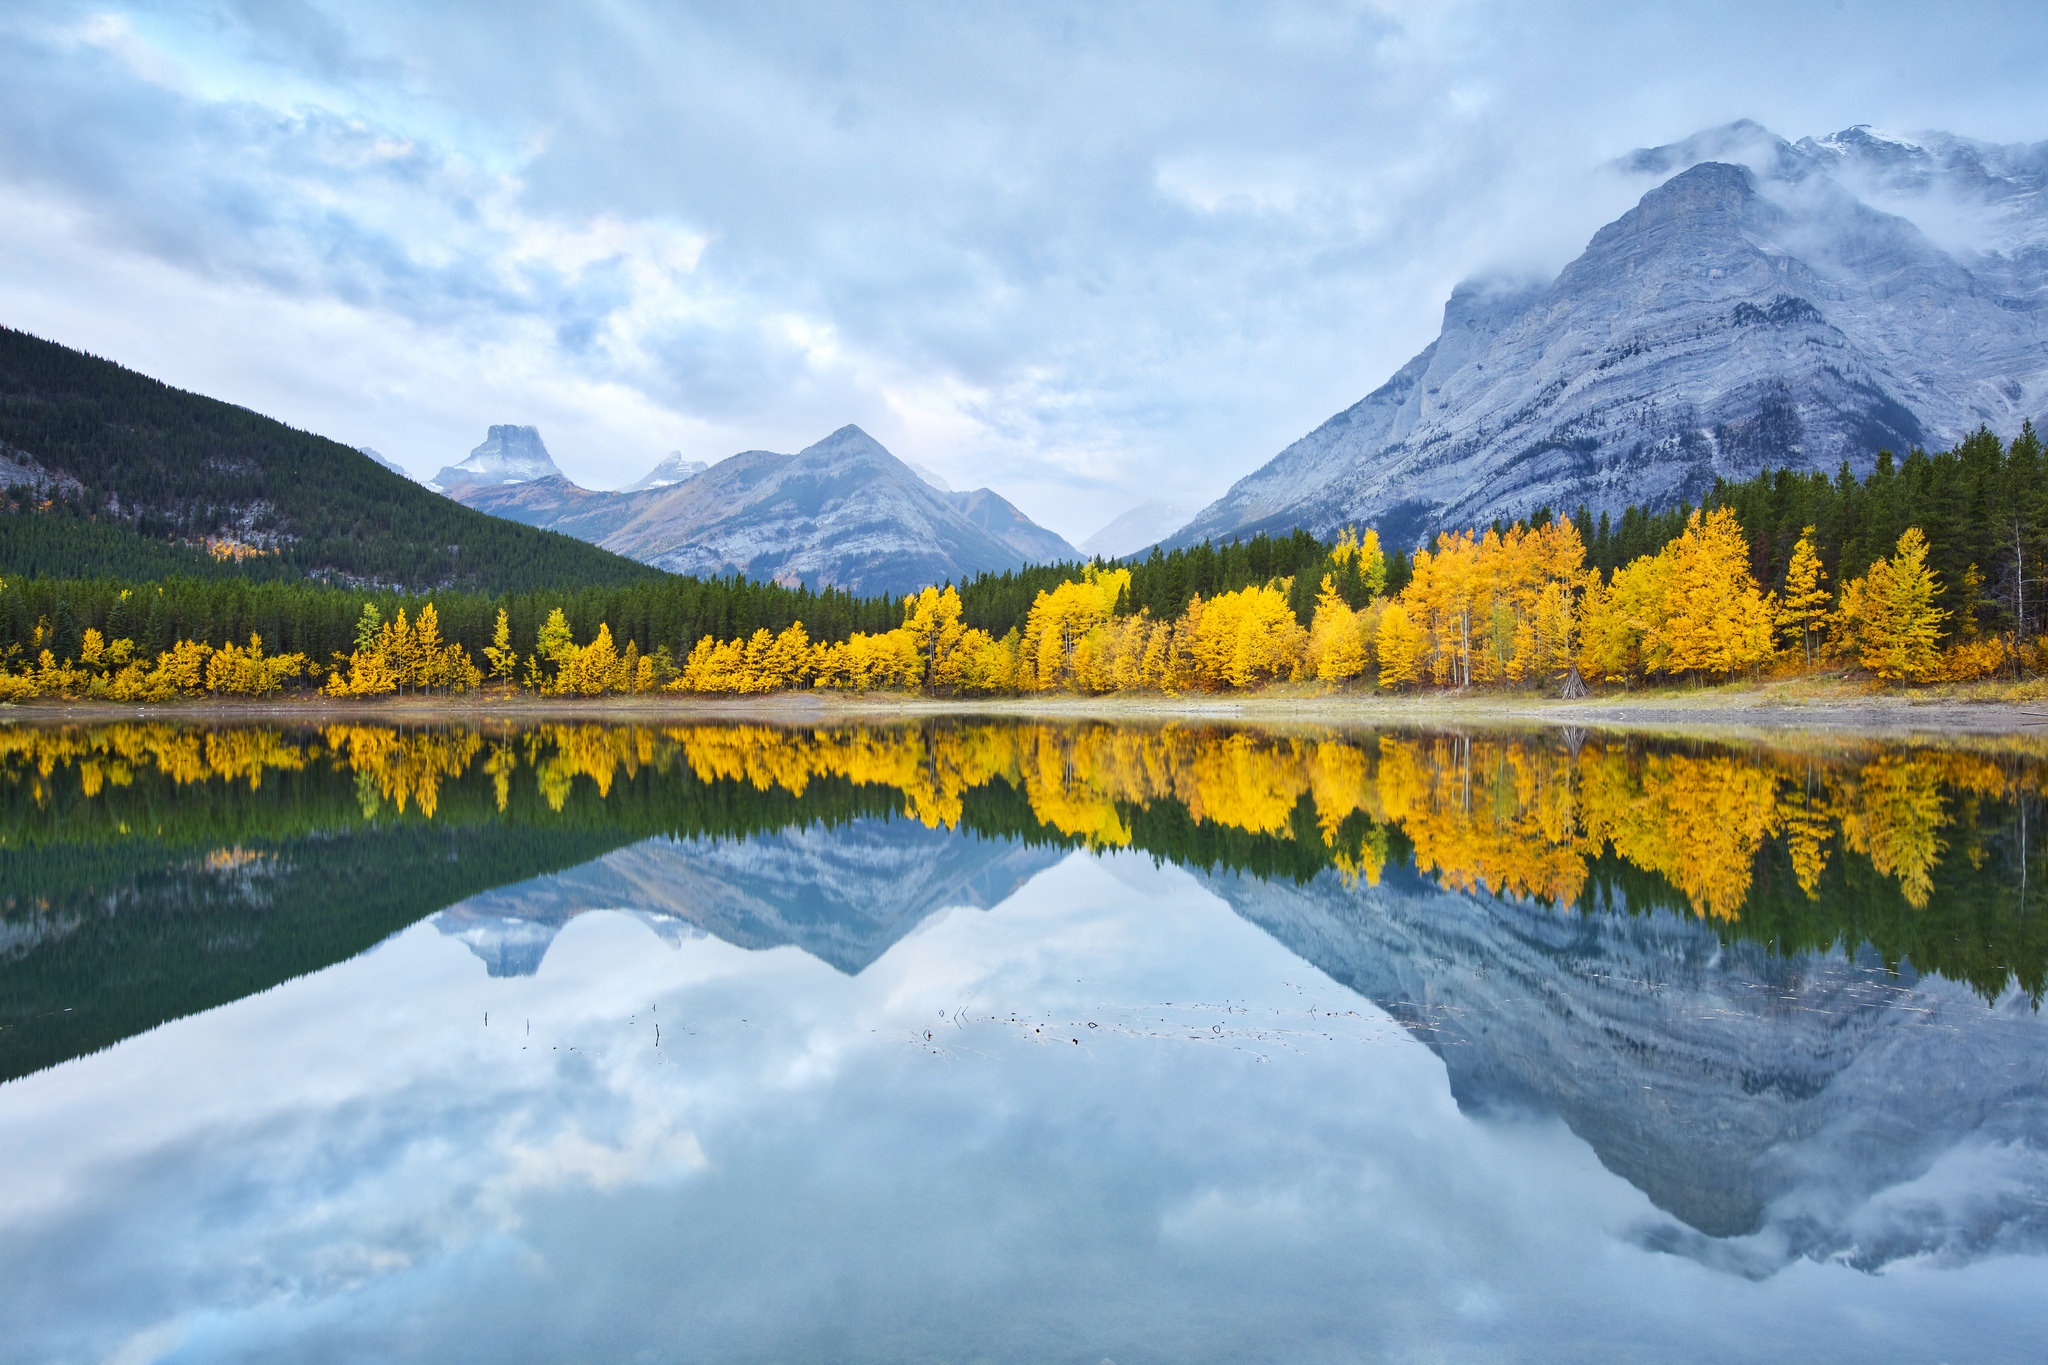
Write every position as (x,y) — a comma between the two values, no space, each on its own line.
(843,894)
(1793,1107)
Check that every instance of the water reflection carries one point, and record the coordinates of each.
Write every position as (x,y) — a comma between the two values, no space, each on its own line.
(1786,993)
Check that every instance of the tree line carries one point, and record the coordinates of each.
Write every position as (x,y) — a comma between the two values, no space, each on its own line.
(1917,850)
(1732,587)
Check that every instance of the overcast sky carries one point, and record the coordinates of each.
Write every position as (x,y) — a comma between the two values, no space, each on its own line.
(1085,253)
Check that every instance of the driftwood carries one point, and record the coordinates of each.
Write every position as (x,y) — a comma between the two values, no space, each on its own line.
(1574,686)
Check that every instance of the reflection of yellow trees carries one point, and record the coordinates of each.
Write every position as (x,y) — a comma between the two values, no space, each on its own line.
(397,768)
(1510,815)
(1696,821)
(1486,815)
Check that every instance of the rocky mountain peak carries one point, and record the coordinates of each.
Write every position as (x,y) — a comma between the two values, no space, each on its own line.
(672,470)
(843,512)
(508,455)
(1765,304)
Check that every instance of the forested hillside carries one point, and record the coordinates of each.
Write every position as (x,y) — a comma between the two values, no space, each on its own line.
(105,471)
(1809,564)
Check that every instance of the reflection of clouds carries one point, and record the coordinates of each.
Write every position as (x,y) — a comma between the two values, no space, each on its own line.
(353,1165)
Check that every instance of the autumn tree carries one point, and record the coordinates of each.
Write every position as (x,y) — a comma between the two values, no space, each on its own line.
(1714,618)
(1889,617)
(1803,611)
(1336,645)
(1401,644)
(503,658)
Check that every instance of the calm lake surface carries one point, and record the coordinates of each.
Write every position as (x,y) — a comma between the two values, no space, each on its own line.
(1013,1042)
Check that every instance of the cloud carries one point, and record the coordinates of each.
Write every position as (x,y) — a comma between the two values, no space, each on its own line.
(1085,253)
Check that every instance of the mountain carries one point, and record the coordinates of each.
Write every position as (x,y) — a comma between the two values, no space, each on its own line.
(508,455)
(842,513)
(843,893)
(674,469)
(1139,528)
(1766,304)
(391,465)
(1753,1097)
(130,477)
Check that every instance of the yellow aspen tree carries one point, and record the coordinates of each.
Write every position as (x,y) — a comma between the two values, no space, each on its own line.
(504,659)
(789,659)
(1804,609)
(1336,646)
(1891,614)
(932,617)
(1714,619)
(426,649)
(1061,617)
(555,645)
(1401,645)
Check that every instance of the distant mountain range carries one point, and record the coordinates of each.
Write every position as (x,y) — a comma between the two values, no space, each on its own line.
(1140,527)
(107,472)
(1767,304)
(843,513)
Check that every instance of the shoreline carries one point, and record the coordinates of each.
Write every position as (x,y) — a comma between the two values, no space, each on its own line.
(1765,708)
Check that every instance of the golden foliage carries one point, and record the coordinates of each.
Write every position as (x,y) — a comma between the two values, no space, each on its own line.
(1499,815)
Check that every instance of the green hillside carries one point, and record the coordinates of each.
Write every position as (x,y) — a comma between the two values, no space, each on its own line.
(142,475)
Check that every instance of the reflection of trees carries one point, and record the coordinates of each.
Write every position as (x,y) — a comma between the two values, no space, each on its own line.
(1518,815)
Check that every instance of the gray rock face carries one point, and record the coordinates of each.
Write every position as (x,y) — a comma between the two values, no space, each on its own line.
(508,455)
(1768,305)
(21,472)
(672,470)
(842,513)
(1776,1108)
(843,895)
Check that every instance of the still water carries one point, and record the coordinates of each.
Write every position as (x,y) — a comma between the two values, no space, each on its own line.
(1010,1042)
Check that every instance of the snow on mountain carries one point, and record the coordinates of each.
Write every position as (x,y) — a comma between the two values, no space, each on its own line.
(843,513)
(672,470)
(1767,304)
(1139,528)
(508,455)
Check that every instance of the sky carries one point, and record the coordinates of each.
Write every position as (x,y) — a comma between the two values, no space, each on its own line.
(1086,254)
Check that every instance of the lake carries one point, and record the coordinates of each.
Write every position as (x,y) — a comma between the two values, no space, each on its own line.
(997,1041)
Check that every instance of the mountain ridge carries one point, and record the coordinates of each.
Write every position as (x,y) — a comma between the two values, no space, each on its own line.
(115,469)
(1745,314)
(843,512)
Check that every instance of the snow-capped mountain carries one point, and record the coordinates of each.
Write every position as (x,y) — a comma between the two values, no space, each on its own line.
(844,513)
(508,455)
(672,470)
(1767,304)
